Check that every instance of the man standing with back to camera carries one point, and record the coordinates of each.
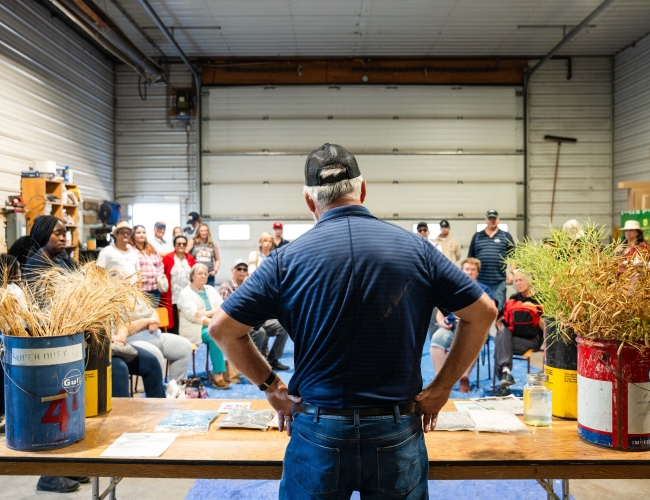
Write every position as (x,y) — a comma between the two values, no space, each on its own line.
(355,295)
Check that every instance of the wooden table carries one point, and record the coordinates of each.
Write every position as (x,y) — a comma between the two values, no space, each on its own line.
(548,452)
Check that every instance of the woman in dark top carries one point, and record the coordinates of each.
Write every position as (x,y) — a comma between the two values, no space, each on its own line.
(49,249)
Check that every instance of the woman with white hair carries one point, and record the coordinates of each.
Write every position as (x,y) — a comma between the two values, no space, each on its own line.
(256,258)
(197,303)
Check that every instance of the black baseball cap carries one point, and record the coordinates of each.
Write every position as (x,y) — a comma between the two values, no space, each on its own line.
(422,224)
(326,155)
(491,213)
(160,225)
(444,223)
(193,217)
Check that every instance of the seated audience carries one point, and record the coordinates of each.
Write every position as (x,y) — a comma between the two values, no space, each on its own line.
(520,328)
(205,251)
(197,303)
(143,331)
(134,360)
(443,337)
(119,256)
(256,257)
(177,231)
(178,265)
(239,274)
(151,266)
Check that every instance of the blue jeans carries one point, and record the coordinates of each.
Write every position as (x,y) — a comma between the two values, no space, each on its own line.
(499,292)
(329,457)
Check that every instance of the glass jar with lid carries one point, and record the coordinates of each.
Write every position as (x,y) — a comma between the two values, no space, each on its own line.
(538,400)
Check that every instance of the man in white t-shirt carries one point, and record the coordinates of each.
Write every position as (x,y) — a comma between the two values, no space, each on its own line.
(119,256)
(162,246)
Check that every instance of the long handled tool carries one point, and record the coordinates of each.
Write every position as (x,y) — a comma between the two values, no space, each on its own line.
(559,140)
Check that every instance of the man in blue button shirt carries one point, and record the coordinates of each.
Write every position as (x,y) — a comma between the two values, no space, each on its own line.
(356,295)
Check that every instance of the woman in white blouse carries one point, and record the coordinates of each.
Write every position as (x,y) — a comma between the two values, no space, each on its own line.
(197,303)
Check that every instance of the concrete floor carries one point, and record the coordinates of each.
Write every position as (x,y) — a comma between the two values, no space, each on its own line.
(24,488)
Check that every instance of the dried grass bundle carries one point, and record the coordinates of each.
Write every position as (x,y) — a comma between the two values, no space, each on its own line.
(589,288)
(64,302)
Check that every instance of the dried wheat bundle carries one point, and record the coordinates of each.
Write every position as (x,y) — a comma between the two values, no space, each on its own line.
(587,287)
(64,302)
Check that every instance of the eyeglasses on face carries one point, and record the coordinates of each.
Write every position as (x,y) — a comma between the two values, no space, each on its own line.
(179,244)
(422,230)
(241,269)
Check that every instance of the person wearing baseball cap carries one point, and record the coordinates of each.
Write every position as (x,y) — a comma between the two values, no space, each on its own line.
(448,245)
(194,221)
(278,240)
(356,295)
(492,247)
(162,246)
(120,256)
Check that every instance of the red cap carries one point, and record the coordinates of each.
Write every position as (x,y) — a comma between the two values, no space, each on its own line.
(277,225)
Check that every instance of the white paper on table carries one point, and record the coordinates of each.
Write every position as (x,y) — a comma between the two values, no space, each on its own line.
(274,422)
(509,403)
(465,406)
(454,421)
(226,407)
(140,444)
(498,421)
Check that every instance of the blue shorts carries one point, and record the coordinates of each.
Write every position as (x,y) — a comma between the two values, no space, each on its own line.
(443,338)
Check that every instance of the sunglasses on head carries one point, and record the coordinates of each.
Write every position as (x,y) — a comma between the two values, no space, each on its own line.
(241,269)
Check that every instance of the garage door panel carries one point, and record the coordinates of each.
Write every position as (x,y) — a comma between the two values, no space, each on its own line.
(234,103)
(302,136)
(384,200)
(374,168)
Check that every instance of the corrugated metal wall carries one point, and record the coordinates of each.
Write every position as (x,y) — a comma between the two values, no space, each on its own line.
(155,157)
(631,120)
(581,108)
(56,101)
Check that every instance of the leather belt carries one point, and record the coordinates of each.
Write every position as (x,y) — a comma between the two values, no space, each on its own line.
(405,409)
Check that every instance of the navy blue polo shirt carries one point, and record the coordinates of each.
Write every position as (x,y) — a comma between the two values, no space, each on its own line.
(491,252)
(356,295)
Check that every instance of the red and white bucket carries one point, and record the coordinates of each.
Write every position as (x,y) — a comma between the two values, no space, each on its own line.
(614,394)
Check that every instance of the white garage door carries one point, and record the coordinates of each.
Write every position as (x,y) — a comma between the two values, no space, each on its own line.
(427,153)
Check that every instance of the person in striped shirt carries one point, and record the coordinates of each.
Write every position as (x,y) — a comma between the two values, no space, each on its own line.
(492,246)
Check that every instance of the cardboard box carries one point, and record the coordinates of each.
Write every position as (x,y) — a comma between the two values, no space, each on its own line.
(638,197)
(90,219)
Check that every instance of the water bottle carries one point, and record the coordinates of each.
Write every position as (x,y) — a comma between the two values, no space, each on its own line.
(538,400)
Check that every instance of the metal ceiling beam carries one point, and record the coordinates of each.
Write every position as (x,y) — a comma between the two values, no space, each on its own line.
(94,21)
(197,84)
(570,36)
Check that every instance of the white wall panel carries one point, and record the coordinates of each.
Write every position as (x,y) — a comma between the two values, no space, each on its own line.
(631,120)
(56,101)
(155,153)
(426,152)
(578,108)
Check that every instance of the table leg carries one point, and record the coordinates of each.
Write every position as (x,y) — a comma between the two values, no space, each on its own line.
(95,488)
(565,490)
(111,494)
(547,484)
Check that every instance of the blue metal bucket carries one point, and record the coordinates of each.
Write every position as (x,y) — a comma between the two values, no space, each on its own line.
(44,391)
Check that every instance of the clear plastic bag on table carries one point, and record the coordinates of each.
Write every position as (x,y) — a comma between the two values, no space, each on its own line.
(497,421)
(242,418)
(187,420)
(454,421)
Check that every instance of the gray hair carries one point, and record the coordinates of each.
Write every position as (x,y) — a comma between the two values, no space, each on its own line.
(329,194)
(195,268)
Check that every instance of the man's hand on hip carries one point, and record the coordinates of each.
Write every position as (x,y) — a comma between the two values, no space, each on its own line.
(282,402)
(433,398)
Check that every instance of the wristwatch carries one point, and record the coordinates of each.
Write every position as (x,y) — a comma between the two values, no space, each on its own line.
(268,382)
